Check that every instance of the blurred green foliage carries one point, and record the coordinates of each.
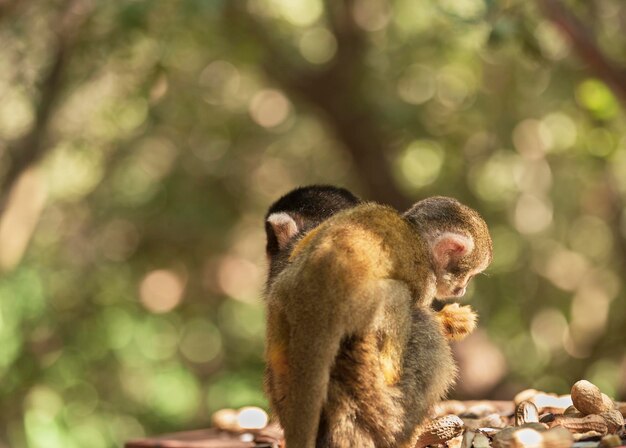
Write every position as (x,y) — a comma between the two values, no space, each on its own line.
(132,253)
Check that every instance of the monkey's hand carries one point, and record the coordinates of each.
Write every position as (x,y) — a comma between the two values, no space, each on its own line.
(457,321)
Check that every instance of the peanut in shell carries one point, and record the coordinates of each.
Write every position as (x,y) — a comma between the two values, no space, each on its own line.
(588,398)
(440,431)
(614,420)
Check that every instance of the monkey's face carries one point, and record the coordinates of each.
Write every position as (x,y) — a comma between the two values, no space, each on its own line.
(453,279)
(450,285)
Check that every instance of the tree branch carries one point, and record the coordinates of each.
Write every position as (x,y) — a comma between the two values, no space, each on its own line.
(31,148)
(586,48)
(337,91)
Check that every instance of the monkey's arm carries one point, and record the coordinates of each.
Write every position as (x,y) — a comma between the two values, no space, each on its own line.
(457,321)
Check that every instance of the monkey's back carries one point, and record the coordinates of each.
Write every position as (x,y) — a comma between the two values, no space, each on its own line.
(367,242)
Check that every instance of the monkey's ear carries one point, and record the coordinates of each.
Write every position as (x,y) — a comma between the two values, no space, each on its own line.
(283,227)
(449,247)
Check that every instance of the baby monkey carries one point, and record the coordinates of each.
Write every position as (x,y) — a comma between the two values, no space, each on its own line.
(354,300)
(296,213)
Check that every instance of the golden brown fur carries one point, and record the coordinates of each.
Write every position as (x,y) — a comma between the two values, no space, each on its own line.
(357,295)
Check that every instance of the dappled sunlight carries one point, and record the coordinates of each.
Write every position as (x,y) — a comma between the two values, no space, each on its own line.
(533,214)
(297,12)
(372,15)
(142,142)
(161,291)
(318,45)
(566,269)
(533,176)
(596,97)
(551,41)
(562,131)
(589,313)
(507,247)
(74,172)
(417,84)
(456,86)
(16,114)
(531,139)
(494,180)
(239,278)
(481,363)
(420,164)
(22,210)
(201,341)
(220,82)
(548,329)
(269,108)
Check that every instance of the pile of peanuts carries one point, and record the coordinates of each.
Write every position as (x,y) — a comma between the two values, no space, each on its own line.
(534,419)
(586,418)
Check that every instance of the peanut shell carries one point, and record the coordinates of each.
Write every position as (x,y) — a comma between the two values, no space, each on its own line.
(526,412)
(622,408)
(614,420)
(581,424)
(572,412)
(225,419)
(588,399)
(481,441)
(440,430)
(558,437)
(525,395)
(468,438)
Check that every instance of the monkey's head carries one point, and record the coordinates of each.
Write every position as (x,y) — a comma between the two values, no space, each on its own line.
(459,242)
(295,214)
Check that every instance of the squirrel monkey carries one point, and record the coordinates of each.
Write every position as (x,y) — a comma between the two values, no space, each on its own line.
(287,220)
(374,317)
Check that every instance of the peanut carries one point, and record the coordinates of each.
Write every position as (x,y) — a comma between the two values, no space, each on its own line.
(225,419)
(248,417)
(551,403)
(573,412)
(581,424)
(481,441)
(526,438)
(588,398)
(614,420)
(468,438)
(557,438)
(440,430)
(489,421)
(251,417)
(622,408)
(526,412)
(530,437)
(455,442)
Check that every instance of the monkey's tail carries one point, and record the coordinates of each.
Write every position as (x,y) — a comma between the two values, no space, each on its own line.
(310,361)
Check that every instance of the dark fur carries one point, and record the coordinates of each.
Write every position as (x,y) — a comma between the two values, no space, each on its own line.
(309,206)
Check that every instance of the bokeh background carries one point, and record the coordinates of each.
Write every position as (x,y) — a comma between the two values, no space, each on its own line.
(142,141)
